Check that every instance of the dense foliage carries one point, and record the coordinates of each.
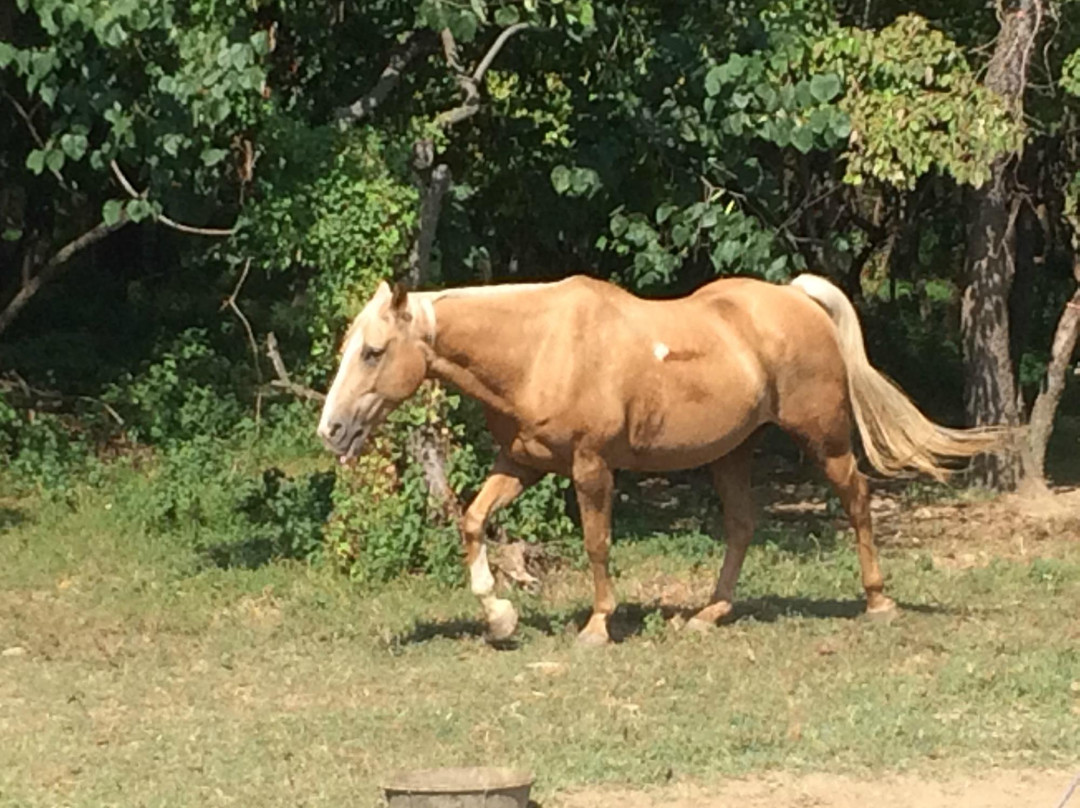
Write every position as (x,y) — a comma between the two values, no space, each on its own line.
(180,179)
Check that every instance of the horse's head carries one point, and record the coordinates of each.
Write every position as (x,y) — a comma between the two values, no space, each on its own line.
(382,364)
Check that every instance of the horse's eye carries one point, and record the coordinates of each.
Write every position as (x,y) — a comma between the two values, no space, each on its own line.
(372,355)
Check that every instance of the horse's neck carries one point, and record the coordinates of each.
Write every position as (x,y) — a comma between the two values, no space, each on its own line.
(481,341)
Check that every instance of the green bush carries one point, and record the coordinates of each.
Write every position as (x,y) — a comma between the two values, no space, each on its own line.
(45,452)
(187,392)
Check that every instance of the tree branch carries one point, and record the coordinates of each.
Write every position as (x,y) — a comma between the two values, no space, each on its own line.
(54,266)
(493,51)
(470,84)
(161,217)
(35,135)
(413,46)
(283,380)
(230,302)
(35,398)
(450,51)
(1041,423)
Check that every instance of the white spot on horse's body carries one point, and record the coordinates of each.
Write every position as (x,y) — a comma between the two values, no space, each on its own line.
(480,577)
(660,351)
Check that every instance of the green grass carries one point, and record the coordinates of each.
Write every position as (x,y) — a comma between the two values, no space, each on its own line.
(150,680)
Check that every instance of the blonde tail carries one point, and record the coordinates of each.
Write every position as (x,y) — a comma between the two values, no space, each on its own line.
(895,435)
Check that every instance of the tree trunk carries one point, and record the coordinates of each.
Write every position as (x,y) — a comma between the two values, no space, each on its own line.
(1046,404)
(424,445)
(990,266)
(989,378)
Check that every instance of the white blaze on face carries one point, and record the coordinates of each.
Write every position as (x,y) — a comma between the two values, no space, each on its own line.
(660,351)
(348,360)
(481,579)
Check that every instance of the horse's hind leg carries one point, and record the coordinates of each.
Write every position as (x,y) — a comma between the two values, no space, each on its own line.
(854,492)
(731,477)
(506,482)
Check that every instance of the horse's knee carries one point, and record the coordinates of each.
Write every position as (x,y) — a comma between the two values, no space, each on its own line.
(472,529)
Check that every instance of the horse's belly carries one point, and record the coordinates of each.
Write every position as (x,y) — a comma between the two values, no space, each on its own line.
(674,441)
(681,426)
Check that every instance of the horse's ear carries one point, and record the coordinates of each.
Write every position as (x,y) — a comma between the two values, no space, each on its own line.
(399,301)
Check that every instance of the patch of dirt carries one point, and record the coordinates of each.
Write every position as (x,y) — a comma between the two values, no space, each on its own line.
(969,533)
(1031,788)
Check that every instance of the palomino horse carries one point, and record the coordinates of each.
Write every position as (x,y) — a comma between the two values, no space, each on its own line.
(581,378)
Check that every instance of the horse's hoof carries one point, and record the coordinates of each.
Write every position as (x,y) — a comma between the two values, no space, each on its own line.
(592,639)
(502,620)
(707,618)
(881,608)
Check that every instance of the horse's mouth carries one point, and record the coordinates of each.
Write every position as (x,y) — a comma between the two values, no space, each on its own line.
(356,445)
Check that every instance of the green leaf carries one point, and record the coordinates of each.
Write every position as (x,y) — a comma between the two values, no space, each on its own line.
(842,127)
(11,234)
(822,119)
(619,223)
(586,15)
(680,235)
(560,179)
(775,272)
(48,95)
(803,95)
(35,161)
(663,213)
(768,95)
(171,143)
(713,79)
(211,157)
(507,16)
(54,160)
(825,87)
(803,139)
(74,146)
(111,211)
(260,42)
(463,26)
(7,54)
(741,100)
(139,209)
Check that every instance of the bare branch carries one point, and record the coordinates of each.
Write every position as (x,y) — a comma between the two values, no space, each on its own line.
(54,266)
(230,302)
(283,380)
(412,47)
(35,135)
(197,231)
(470,84)
(161,217)
(50,400)
(493,51)
(450,50)
(124,182)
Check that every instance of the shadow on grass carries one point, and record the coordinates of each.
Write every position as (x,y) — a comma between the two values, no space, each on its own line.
(249,554)
(634,619)
(11,517)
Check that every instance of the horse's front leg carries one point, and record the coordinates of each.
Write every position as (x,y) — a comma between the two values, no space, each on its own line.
(508,479)
(594,482)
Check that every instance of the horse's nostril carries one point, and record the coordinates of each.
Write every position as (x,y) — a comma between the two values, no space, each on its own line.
(334,429)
